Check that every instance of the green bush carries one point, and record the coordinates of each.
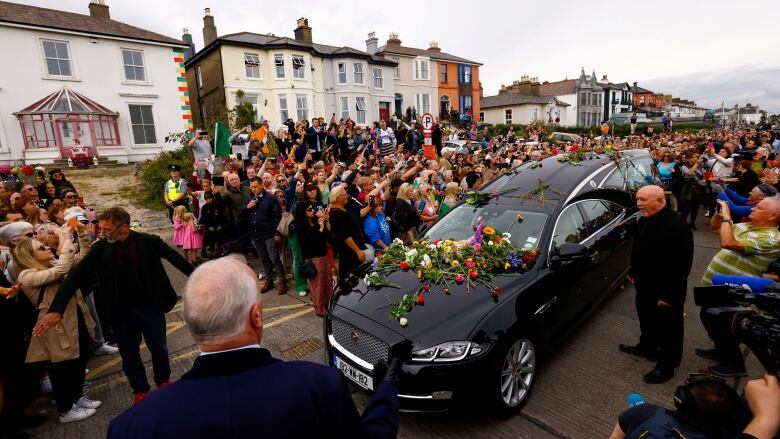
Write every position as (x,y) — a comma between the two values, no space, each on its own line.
(154,173)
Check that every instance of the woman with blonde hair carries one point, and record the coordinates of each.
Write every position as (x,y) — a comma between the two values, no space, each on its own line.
(450,198)
(406,217)
(426,204)
(67,348)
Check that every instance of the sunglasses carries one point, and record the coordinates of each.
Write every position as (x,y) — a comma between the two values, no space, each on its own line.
(30,234)
(309,209)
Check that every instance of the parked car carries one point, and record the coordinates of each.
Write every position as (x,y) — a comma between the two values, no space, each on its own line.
(469,349)
(558,138)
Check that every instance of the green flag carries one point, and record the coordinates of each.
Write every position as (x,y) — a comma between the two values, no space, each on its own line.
(221,140)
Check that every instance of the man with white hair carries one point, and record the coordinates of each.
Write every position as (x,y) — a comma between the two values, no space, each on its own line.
(237,389)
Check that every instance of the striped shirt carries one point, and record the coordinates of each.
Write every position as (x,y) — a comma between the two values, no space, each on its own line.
(762,247)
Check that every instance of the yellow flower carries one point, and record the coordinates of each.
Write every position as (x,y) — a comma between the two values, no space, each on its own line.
(489,230)
(455,263)
(507,265)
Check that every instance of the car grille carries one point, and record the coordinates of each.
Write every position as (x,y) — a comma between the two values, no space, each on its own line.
(358,342)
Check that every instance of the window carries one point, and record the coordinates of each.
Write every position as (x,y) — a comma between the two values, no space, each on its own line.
(252,98)
(133,61)
(342,73)
(582,98)
(464,74)
(302,107)
(465,104)
(279,65)
(358,73)
(571,227)
(599,100)
(105,129)
(360,103)
(631,175)
(142,124)
(199,76)
(252,65)
(421,69)
(298,67)
(344,107)
(600,213)
(642,100)
(443,73)
(423,103)
(283,113)
(481,116)
(397,71)
(57,57)
(508,116)
(378,81)
(38,130)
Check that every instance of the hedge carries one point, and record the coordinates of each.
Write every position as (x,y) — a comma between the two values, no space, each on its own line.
(619,130)
(154,173)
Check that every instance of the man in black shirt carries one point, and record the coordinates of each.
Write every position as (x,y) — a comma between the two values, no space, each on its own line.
(347,233)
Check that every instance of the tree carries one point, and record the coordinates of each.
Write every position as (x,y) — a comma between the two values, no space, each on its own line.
(244,113)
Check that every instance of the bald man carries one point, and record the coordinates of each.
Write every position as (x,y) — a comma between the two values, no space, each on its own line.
(237,389)
(661,259)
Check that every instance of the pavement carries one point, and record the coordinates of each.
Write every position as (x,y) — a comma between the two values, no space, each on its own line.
(579,391)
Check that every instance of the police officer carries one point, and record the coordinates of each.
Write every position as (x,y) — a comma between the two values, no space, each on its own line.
(175,193)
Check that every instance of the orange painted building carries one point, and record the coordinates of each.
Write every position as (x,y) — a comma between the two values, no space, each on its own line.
(458,87)
(644,98)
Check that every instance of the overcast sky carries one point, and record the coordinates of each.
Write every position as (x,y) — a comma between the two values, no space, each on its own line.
(705,51)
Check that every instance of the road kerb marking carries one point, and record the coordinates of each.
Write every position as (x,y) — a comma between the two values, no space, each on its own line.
(288,317)
(276,308)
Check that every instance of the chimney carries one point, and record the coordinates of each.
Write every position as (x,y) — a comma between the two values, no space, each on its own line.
(303,31)
(533,88)
(434,46)
(99,9)
(393,40)
(187,38)
(209,30)
(604,79)
(372,43)
(635,86)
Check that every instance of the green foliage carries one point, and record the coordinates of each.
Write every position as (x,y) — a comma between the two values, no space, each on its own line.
(243,114)
(155,173)
(619,130)
(220,113)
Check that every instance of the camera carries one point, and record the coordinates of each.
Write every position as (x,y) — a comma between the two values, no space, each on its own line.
(751,318)
(371,200)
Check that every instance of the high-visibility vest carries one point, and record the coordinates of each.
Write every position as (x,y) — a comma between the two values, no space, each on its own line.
(173,188)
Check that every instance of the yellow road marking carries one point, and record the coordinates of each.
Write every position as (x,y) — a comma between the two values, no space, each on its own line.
(288,318)
(275,308)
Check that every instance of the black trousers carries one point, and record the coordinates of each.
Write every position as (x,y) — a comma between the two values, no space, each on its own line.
(67,377)
(725,343)
(132,322)
(661,329)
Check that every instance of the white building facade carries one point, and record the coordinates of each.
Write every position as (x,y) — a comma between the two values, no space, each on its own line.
(514,108)
(358,87)
(117,92)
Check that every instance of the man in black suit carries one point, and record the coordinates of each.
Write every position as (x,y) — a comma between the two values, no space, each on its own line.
(134,295)
(663,239)
(236,389)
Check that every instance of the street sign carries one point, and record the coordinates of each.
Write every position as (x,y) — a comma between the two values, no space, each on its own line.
(427,121)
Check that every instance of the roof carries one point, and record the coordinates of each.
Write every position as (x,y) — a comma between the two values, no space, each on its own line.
(618,86)
(70,21)
(565,87)
(433,54)
(639,89)
(252,39)
(66,101)
(506,99)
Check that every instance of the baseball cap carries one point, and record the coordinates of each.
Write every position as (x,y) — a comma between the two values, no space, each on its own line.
(75,212)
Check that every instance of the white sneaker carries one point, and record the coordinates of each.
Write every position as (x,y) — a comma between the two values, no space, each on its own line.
(87,403)
(106,349)
(76,413)
(45,385)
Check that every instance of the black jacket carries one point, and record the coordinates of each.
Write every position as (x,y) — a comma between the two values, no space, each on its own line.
(264,217)
(661,256)
(101,261)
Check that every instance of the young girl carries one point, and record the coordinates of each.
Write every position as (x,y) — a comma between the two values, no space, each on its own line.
(192,242)
(178,228)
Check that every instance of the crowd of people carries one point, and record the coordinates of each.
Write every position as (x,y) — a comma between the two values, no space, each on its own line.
(313,200)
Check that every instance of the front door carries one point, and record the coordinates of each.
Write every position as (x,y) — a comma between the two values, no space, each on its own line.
(72,132)
(384,111)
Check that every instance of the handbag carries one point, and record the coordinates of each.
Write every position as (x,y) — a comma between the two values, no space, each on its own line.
(284,224)
(307,270)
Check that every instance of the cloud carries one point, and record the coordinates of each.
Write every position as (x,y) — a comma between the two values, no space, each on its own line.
(753,83)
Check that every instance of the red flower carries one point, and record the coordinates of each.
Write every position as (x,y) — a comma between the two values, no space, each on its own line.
(496,292)
(420,299)
(427,287)
(497,240)
(28,170)
(574,148)
(473,274)
(459,279)
(404,265)
(470,263)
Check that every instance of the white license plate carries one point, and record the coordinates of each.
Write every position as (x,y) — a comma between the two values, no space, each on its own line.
(361,379)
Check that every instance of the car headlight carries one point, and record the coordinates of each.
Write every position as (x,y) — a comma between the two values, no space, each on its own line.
(449,351)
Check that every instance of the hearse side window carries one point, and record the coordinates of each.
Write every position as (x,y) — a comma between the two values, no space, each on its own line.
(600,213)
(632,174)
(571,227)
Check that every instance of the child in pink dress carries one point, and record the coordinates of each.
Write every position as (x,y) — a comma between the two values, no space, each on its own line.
(191,238)
(178,228)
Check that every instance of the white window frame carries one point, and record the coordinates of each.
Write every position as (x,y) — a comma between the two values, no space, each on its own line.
(360,105)
(379,81)
(481,116)
(420,73)
(255,99)
(508,116)
(344,107)
(142,66)
(341,73)
(199,76)
(130,122)
(69,59)
(248,64)
(423,102)
(284,113)
(302,112)
(279,62)
(357,69)
(397,69)
(299,71)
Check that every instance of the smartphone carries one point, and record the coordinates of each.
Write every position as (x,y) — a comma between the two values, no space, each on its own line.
(239,157)
(80,201)
(204,133)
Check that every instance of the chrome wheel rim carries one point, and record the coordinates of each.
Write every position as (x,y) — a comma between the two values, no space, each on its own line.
(517,372)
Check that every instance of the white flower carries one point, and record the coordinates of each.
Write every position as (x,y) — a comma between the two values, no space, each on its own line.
(403,321)
(491,243)
(405,296)
(426,261)
(506,235)
(398,241)
(432,246)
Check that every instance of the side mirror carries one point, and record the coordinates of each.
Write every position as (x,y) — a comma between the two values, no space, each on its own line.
(567,251)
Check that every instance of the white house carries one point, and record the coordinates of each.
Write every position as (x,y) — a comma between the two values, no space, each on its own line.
(518,108)
(114,88)
(618,98)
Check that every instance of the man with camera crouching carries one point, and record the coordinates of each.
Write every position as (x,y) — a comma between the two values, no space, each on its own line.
(747,249)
